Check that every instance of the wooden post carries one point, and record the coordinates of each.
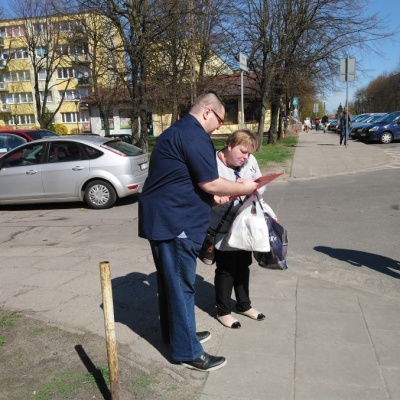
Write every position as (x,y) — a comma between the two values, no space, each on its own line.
(108,310)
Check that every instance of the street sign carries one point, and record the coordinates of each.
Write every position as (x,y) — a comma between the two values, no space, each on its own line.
(296,101)
(347,69)
(243,62)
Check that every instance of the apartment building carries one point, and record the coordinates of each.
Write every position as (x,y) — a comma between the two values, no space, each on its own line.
(45,71)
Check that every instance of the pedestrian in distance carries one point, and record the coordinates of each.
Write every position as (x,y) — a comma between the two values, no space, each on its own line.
(317,124)
(174,214)
(344,122)
(324,121)
(232,271)
(307,124)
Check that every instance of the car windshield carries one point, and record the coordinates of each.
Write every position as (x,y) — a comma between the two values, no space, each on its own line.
(376,118)
(125,148)
(363,118)
(390,117)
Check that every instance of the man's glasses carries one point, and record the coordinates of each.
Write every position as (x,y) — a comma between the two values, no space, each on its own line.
(220,120)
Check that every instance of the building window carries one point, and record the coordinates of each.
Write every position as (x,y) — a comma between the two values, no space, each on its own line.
(41,51)
(110,122)
(65,73)
(11,31)
(18,31)
(21,119)
(17,76)
(231,112)
(39,28)
(20,54)
(75,117)
(62,49)
(16,98)
(4,54)
(49,97)
(124,119)
(252,112)
(83,72)
(71,95)
(42,75)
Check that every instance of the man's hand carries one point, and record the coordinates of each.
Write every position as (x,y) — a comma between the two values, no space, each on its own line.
(221,199)
(249,186)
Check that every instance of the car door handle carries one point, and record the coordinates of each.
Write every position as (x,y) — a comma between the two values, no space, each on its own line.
(31,172)
(78,168)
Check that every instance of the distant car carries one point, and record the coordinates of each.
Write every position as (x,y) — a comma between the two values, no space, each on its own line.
(9,141)
(384,131)
(30,134)
(332,125)
(126,137)
(356,127)
(93,169)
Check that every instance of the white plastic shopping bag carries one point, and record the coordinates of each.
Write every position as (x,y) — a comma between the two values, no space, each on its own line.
(249,230)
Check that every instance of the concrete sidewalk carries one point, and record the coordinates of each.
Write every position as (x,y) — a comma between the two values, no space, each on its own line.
(320,154)
(319,340)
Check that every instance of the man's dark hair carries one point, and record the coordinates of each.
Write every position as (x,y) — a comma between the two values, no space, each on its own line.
(209,91)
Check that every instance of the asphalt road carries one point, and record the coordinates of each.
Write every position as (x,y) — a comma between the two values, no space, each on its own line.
(347,224)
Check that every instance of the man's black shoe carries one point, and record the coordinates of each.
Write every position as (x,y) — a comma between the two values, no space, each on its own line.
(205,363)
(203,336)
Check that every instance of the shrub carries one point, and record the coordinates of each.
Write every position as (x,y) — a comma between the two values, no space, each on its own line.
(59,128)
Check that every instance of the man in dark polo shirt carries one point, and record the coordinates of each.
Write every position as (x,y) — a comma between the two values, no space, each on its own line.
(174,214)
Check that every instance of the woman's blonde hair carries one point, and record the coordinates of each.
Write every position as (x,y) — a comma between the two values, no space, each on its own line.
(243,137)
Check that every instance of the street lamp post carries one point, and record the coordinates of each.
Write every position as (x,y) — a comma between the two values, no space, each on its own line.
(77,102)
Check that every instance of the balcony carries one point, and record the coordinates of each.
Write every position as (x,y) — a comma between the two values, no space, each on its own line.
(3,87)
(85,81)
(80,58)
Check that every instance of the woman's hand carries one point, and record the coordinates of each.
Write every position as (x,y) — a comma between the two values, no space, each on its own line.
(221,199)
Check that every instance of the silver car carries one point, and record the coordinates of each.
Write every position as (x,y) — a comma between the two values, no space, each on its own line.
(94,169)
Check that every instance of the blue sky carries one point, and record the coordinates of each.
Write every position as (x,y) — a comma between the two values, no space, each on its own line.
(373,65)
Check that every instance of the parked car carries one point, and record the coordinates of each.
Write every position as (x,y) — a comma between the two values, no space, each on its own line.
(30,134)
(356,127)
(93,169)
(385,130)
(9,141)
(332,125)
(360,117)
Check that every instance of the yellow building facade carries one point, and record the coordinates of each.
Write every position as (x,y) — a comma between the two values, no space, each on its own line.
(49,57)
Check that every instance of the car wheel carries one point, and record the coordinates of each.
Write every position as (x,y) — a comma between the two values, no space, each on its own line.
(386,138)
(100,195)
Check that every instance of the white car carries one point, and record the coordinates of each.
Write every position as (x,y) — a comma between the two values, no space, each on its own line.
(93,169)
